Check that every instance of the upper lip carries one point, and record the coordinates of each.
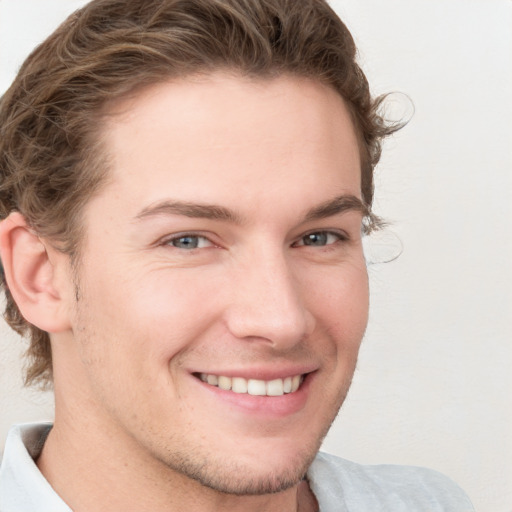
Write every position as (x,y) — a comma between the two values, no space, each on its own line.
(260,373)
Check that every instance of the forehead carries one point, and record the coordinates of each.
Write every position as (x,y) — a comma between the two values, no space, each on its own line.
(223,134)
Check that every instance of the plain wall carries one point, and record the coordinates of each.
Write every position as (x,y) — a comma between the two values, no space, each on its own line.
(433,382)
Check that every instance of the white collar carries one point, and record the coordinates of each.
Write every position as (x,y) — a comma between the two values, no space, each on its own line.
(22,486)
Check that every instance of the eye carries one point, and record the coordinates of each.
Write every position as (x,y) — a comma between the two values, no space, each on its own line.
(320,239)
(189,242)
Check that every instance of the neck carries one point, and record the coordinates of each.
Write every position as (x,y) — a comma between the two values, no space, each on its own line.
(113,474)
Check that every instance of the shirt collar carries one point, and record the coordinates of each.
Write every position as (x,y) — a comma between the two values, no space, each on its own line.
(22,486)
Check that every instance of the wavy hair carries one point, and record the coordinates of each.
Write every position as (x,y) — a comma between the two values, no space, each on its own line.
(51,159)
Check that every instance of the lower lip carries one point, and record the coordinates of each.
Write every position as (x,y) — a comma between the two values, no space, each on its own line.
(276,406)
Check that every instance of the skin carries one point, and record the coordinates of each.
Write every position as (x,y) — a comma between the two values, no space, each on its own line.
(254,298)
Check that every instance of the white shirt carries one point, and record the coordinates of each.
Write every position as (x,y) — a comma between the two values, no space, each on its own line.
(339,485)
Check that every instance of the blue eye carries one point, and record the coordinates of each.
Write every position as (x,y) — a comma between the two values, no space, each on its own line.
(315,239)
(189,242)
(320,239)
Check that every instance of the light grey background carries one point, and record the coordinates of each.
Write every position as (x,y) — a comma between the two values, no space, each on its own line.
(433,382)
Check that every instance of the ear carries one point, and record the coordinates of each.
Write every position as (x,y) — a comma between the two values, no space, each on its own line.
(32,276)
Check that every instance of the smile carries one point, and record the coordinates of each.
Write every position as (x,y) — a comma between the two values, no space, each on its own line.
(256,387)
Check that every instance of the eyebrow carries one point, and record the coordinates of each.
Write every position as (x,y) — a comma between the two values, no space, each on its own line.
(335,206)
(340,204)
(193,210)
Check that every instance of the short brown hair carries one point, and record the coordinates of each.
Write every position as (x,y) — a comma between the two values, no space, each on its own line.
(50,159)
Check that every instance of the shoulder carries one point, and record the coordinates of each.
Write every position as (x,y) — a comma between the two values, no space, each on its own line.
(342,485)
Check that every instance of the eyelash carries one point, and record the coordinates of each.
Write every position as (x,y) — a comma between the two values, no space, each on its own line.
(339,237)
(301,242)
(182,236)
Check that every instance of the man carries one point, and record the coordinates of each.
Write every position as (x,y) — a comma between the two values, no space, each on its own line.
(184,188)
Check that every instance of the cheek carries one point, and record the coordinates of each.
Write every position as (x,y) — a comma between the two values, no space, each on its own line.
(339,300)
(158,315)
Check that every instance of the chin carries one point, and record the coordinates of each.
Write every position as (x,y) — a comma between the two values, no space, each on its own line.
(240,482)
(249,475)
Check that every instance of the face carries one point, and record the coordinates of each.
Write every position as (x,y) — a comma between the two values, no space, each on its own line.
(222,289)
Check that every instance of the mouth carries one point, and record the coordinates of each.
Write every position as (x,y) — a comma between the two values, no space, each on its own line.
(255,387)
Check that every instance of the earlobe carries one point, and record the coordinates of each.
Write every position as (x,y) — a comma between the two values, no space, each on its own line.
(31,275)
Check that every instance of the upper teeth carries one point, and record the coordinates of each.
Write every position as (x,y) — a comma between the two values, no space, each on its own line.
(276,387)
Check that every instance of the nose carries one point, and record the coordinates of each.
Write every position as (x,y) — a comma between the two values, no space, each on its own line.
(267,303)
